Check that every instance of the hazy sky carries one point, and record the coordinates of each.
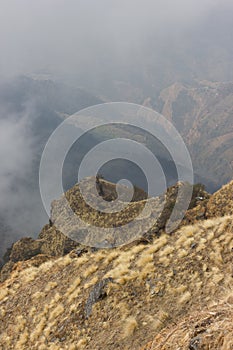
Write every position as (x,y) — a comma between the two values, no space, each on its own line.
(65,36)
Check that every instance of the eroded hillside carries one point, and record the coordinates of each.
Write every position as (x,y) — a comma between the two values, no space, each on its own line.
(203,115)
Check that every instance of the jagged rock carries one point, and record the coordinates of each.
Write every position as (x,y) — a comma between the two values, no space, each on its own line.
(50,242)
(55,243)
(195,214)
(160,210)
(25,249)
(97,293)
(221,202)
(20,265)
(109,193)
(6,270)
(195,343)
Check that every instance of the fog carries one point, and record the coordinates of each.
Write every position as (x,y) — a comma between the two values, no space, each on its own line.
(19,197)
(145,45)
(92,41)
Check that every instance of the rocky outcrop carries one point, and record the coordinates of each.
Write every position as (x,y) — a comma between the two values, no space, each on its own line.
(96,294)
(50,243)
(55,243)
(221,203)
(24,249)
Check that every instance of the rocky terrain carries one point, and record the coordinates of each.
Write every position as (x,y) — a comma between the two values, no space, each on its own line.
(168,291)
(53,242)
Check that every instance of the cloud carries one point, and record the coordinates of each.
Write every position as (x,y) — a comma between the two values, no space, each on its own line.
(81,35)
(15,152)
(21,211)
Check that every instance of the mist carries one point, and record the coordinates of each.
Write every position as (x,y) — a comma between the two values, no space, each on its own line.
(93,43)
(21,211)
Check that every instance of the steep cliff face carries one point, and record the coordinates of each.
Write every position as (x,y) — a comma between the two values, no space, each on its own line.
(125,297)
(203,115)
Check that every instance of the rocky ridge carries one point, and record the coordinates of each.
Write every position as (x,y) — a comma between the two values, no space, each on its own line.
(52,241)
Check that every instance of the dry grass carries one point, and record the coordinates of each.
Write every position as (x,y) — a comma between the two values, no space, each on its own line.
(154,285)
(129,327)
(209,329)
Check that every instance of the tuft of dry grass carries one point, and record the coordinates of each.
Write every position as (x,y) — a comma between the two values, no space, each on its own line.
(129,327)
(90,270)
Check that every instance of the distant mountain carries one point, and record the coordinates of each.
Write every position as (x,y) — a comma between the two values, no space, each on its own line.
(50,94)
(203,115)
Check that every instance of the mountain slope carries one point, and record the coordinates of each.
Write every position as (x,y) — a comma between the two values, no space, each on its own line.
(203,115)
(52,306)
(130,293)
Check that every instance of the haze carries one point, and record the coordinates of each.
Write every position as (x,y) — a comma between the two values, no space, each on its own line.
(94,41)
